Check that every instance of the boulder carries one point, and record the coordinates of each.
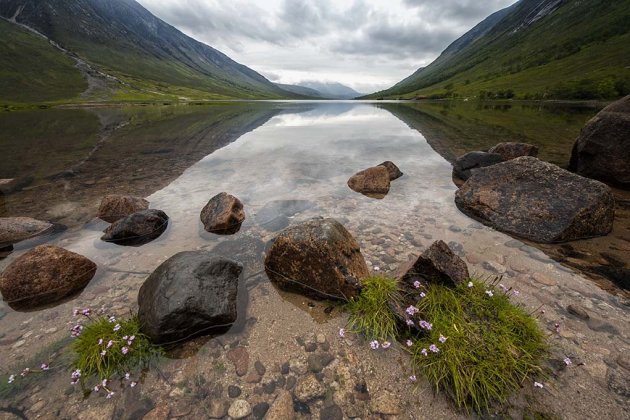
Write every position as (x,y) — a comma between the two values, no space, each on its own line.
(392,169)
(538,201)
(464,165)
(509,150)
(192,292)
(115,207)
(371,181)
(16,229)
(12,185)
(44,275)
(223,214)
(137,229)
(602,150)
(437,264)
(318,258)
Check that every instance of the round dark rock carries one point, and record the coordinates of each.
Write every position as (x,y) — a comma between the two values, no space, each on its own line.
(260,368)
(291,381)
(137,229)
(269,387)
(317,362)
(260,410)
(332,412)
(284,369)
(223,214)
(310,347)
(234,391)
(465,165)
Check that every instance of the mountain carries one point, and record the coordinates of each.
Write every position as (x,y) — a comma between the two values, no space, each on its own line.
(120,46)
(301,90)
(331,90)
(575,49)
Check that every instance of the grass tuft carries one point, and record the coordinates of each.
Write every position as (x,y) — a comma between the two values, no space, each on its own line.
(491,347)
(92,363)
(370,313)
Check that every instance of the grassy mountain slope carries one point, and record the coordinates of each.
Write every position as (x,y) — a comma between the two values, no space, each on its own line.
(32,70)
(574,49)
(150,58)
(301,90)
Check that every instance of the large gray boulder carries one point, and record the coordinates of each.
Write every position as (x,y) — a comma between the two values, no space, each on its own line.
(17,229)
(602,150)
(511,150)
(538,201)
(318,258)
(44,275)
(191,293)
(437,264)
(466,164)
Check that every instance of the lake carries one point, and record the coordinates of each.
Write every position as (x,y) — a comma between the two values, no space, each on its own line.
(287,162)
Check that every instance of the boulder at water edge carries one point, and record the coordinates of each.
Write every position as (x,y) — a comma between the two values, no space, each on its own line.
(43,276)
(510,150)
(538,201)
(115,207)
(223,214)
(318,258)
(464,165)
(437,264)
(16,229)
(394,172)
(137,229)
(192,292)
(602,150)
(371,181)
(12,185)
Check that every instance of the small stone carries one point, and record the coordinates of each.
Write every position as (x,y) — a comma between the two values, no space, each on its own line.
(260,410)
(321,338)
(310,347)
(291,381)
(38,406)
(317,362)
(260,368)
(298,367)
(234,391)
(253,378)
(239,409)
(332,412)
(281,382)
(269,387)
(282,407)
(385,403)
(240,358)
(578,311)
(217,409)
(624,359)
(308,388)
(284,369)
(325,346)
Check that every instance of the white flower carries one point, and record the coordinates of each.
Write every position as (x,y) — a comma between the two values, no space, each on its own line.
(470,284)
(538,385)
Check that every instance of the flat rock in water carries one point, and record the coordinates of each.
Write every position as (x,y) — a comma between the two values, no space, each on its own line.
(538,201)
(394,171)
(137,229)
(17,229)
(465,165)
(45,275)
(318,258)
(602,150)
(437,264)
(190,293)
(371,181)
(116,206)
(223,214)
(510,150)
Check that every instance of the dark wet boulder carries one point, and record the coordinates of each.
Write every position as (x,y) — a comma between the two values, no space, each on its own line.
(44,275)
(17,229)
(115,207)
(371,181)
(394,171)
(137,229)
(12,185)
(464,165)
(437,264)
(510,150)
(318,258)
(223,214)
(602,150)
(191,293)
(538,201)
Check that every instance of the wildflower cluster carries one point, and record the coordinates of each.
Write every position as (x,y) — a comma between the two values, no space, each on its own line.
(28,371)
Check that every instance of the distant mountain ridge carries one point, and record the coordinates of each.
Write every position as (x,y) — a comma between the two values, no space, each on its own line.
(331,90)
(533,49)
(301,90)
(152,58)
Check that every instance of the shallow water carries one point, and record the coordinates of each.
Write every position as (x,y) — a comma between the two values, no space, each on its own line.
(287,162)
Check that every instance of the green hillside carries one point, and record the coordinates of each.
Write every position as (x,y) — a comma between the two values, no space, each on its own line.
(537,49)
(32,70)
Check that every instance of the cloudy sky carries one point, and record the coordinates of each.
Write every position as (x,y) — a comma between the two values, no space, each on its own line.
(366,44)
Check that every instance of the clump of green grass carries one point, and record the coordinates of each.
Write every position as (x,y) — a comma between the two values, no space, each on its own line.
(487,346)
(107,347)
(370,313)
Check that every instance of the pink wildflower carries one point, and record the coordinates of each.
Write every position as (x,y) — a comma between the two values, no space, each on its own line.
(342,332)
(374,344)
(409,343)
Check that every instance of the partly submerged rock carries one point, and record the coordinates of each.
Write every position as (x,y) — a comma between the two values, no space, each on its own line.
(44,275)
(192,292)
(602,150)
(12,185)
(318,258)
(510,150)
(392,169)
(465,165)
(137,229)
(373,182)
(17,229)
(223,214)
(437,264)
(538,201)
(116,206)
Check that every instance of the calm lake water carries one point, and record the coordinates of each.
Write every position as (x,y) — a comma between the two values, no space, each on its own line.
(287,162)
